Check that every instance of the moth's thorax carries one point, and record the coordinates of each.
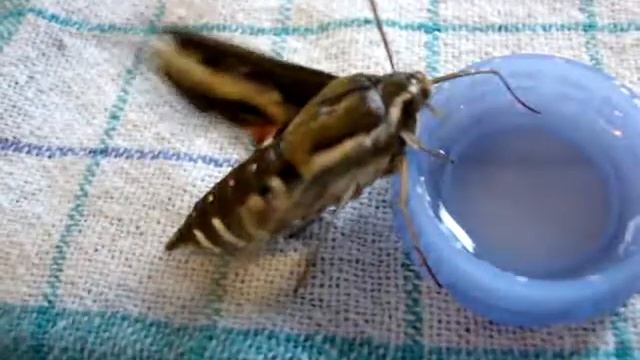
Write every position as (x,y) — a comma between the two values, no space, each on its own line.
(351,137)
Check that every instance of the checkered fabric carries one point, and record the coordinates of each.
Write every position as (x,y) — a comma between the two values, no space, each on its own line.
(100,160)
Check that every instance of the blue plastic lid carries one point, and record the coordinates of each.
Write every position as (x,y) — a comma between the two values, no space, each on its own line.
(535,222)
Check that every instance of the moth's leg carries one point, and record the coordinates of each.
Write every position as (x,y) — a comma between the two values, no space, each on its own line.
(438,114)
(413,141)
(303,279)
(312,258)
(248,256)
(404,206)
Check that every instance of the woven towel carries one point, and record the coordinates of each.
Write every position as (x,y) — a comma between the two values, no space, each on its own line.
(100,160)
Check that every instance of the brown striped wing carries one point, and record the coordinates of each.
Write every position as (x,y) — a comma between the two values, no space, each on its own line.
(250,89)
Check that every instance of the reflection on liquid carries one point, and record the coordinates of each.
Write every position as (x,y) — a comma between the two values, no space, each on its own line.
(617,132)
(527,202)
(630,236)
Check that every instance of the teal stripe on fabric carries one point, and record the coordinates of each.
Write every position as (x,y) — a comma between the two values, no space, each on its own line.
(86,334)
(77,211)
(302,30)
(624,348)
(75,24)
(616,28)
(321,28)
(46,318)
(433,40)
(413,307)
(11,25)
(285,11)
(590,29)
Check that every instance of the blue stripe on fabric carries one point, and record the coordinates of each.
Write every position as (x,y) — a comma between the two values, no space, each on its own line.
(321,28)
(117,335)
(17,146)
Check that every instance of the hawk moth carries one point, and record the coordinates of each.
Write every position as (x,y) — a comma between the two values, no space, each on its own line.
(322,138)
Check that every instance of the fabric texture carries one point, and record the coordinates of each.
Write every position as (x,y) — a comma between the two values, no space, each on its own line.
(101,159)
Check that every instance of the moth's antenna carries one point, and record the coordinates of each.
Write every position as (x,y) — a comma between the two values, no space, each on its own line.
(460,74)
(381,30)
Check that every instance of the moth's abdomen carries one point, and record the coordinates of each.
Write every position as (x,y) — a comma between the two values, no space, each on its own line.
(210,228)
(244,207)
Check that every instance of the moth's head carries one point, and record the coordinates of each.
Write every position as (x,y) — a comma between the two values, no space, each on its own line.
(424,86)
(405,93)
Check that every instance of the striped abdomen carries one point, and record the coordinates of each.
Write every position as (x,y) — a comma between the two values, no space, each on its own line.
(343,140)
(245,207)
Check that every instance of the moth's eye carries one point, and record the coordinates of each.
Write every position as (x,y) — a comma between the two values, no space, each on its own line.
(264,189)
(289,173)
(425,92)
(413,76)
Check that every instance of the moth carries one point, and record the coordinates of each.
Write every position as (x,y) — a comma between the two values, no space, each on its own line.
(321,138)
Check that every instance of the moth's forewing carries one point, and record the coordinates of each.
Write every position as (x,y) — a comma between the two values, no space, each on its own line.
(250,89)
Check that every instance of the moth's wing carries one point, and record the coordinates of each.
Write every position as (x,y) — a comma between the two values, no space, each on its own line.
(250,89)
(349,108)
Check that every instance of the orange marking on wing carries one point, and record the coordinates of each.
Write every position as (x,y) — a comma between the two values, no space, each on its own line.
(261,133)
